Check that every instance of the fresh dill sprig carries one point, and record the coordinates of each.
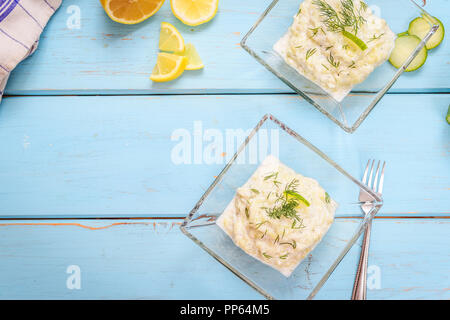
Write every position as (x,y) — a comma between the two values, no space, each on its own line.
(346,18)
(287,203)
(327,197)
(277,239)
(375,37)
(264,234)
(310,53)
(255,191)
(284,256)
(363,6)
(349,17)
(325,67)
(288,210)
(293,244)
(333,62)
(272,175)
(246,213)
(315,31)
(258,225)
(266,255)
(352,65)
(300,226)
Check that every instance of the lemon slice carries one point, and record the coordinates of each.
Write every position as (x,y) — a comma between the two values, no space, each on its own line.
(194,12)
(170,39)
(194,60)
(131,11)
(168,67)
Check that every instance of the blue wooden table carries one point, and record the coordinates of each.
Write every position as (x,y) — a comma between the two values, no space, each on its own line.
(91,201)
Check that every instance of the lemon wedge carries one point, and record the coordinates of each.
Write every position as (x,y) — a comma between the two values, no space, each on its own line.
(170,39)
(131,11)
(194,60)
(168,67)
(194,12)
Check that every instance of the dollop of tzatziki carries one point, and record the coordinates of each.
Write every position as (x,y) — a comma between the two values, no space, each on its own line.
(336,44)
(278,216)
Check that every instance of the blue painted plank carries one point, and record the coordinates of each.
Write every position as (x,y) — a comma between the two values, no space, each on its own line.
(105,57)
(140,259)
(111,156)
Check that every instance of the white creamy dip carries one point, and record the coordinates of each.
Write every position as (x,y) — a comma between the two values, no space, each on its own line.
(328,58)
(278,216)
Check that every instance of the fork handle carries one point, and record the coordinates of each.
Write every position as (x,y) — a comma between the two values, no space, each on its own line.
(360,286)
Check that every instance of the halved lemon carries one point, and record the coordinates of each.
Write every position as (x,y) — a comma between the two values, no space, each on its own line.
(131,11)
(168,67)
(194,60)
(194,12)
(170,39)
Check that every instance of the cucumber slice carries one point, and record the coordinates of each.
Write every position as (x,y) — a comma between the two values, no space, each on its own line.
(404,47)
(421,26)
(448,115)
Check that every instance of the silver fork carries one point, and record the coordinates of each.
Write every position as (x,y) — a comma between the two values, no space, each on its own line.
(360,286)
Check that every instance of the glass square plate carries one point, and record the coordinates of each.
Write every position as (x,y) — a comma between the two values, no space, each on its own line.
(270,136)
(352,111)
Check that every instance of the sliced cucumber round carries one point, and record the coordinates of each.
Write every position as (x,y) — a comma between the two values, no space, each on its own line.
(448,115)
(404,47)
(421,26)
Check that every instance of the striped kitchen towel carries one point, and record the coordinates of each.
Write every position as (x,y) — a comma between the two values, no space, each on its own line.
(21,24)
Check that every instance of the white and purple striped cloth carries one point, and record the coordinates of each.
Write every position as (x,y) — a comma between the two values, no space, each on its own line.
(21,24)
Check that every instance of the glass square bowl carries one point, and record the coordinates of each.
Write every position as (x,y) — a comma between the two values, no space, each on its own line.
(351,112)
(270,136)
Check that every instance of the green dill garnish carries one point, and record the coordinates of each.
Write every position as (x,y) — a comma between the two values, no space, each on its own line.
(264,234)
(284,256)
(298,47)
(325,67)
(260,224)
(277,239)
(287,203)
(316,30)
(328,48)
(310,53)
(352,65)
(255,191)
(345,46)
(246,212)
(347,18)
(284,231)
(272,175)
(276,183)
(293,243)
(301,225)
(375,37)
(266,255)
(333,62)
(327,197)
(287,209)
(299,11)
(363,5)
